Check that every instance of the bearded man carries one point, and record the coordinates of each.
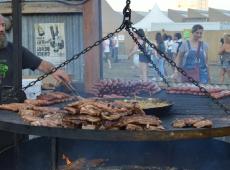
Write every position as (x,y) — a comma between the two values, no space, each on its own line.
(29,60)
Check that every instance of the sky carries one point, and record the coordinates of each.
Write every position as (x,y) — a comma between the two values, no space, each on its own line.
(146,5)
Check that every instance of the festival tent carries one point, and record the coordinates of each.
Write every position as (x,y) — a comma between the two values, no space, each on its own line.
(112,19)
(154,16)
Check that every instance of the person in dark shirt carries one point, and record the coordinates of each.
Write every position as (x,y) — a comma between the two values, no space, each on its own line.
(29,60)
(161,46)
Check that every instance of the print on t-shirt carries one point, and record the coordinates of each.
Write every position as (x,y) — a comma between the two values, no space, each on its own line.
(3,71)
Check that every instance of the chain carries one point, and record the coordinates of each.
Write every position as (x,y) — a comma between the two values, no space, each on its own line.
(173,64)
(128,25)
(127,14)
(127,22)
(76,56)
(142,48)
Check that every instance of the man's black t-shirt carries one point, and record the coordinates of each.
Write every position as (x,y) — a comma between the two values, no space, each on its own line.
(29,61)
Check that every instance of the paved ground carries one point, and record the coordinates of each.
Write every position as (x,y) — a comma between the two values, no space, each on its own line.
(125,69)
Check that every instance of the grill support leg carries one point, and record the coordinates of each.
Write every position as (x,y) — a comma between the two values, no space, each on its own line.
(54,153)
(16,151)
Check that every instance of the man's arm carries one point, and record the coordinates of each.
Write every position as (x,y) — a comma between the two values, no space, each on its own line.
(33,62)
(59,75)
(132,51)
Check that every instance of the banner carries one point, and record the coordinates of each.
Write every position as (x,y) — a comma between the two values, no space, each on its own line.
(50,42)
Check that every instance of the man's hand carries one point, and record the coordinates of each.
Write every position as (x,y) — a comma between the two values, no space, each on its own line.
(61,76)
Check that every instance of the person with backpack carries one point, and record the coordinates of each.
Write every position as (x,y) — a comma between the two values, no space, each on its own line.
(177,38)
(177,42)
(161,46)
(193,57)
(143,58)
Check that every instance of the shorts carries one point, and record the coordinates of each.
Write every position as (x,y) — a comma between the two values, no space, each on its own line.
(107,55)
(226,65)
(143,58)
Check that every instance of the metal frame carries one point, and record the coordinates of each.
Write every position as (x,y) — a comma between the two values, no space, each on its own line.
(17,43)
(201,106)
(14,124)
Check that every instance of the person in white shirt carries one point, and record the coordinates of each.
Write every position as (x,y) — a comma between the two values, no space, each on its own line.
(107,52)
(168,46)
(177,38)
(115,48)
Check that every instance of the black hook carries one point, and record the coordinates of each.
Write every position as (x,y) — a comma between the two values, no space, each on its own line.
(127,15)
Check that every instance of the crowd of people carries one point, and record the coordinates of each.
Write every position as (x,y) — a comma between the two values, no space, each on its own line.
(166,44)
(190,54)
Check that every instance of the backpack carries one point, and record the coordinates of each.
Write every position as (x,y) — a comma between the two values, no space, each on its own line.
(162,47)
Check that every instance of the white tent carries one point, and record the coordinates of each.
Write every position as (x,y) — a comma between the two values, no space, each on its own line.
(154,16)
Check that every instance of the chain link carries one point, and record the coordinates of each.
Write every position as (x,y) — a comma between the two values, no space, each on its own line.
(179,69)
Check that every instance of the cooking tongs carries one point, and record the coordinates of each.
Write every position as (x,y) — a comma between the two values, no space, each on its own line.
(73,90)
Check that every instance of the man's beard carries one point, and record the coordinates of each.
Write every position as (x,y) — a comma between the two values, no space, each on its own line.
(3,40)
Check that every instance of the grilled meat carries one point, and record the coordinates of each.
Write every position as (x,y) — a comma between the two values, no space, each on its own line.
(141,120)
(203,124)
(154,128)
(191,121)
(72,110)
(15,106)
(53,95)
(134,127)
(89,127)
(180,123)
(50,110)
(46,122)
(110,116)
(198,122)
(90,110)
(88,118)
(37,102)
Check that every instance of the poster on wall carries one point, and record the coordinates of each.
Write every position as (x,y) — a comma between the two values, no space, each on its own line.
(50,42)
